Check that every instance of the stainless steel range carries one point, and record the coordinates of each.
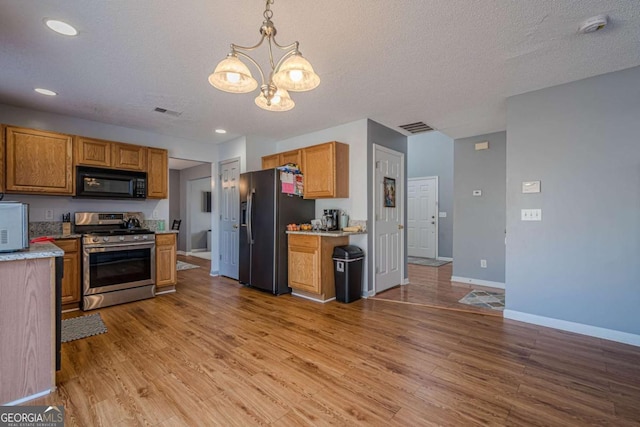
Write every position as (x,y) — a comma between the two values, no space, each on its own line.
(118,262)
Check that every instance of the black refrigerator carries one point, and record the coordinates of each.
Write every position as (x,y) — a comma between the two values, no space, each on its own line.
(265,212)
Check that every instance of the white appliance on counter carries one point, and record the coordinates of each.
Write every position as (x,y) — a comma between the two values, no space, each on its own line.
(14,226)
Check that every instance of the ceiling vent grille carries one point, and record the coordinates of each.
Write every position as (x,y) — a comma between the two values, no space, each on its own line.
(417,127)
(166,111)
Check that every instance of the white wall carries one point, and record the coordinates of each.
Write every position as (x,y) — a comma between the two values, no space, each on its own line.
(199,219)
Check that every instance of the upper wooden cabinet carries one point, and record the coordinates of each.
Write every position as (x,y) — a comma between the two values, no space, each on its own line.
(2,131)
(326,170)
(38,161)
(133,157)
(93,152)
(279,159)
(157,174)
(109,154)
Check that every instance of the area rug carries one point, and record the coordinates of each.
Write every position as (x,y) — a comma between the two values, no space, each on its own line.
(429,262)
(492,300)
(82,327)
(186,266)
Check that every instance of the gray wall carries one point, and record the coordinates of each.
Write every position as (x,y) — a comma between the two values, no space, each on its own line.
(581,262)
(174,196)
(431,154)
(386,137)
(186,175)
(199,219)
(479,221)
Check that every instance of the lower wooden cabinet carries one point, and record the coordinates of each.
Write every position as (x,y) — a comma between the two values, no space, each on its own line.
(311,265)
(71,275)
(166,262)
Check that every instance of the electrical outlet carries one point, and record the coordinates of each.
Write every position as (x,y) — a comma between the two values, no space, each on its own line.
(48,214)
(483,263)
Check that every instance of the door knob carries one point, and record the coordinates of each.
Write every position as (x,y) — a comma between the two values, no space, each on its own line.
(433,222)
(235,225)
(400,227)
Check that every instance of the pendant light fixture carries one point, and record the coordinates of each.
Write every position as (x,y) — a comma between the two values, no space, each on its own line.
(292,72)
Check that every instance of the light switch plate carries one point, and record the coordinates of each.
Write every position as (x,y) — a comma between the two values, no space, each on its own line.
(442,214)
(531,186)
(531,214)
(482,145)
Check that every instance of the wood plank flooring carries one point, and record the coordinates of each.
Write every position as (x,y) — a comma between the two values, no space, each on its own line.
(432,287)
(216,353)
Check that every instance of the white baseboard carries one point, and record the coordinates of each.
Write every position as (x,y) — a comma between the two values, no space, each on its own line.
(170,291)
(181,253)
(478,282)
(405,281)
(578,328)
(69,310)
(368,294)
(26,399)
(313,299)
(444,258)
(214,273)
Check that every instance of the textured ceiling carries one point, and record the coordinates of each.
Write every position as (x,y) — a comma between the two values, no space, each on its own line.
(448,63)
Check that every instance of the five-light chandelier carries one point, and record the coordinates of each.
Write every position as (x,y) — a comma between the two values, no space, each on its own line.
(292,72)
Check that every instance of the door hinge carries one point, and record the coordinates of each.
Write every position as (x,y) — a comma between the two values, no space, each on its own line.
(378,164)
(220,257)
(220,217)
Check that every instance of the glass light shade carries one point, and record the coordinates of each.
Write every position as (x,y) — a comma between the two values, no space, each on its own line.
(296,74)
(281,101)
(231,75)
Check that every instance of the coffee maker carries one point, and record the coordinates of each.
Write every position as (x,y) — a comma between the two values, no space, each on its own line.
(331,217)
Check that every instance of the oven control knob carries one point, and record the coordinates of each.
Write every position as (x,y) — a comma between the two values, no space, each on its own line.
(136,237)
(95,240)
(145,237)
(121,238)
(106,239)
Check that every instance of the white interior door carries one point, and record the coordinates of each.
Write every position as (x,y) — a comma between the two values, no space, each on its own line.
(389,216)
(229,221)
(422,217)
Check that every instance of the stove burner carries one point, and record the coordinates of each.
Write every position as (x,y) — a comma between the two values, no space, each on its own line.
(120,232)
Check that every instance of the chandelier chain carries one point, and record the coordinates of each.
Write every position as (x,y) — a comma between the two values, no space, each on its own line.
(268,13)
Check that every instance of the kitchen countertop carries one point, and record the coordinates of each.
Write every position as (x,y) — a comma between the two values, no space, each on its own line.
(328,233)
(167,232)
(36,250)
(60,236)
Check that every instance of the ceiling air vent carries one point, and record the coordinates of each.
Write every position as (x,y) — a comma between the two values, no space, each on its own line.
(417,127)
(169,112)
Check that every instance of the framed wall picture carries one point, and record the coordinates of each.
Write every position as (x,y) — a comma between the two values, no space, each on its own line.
(389,192)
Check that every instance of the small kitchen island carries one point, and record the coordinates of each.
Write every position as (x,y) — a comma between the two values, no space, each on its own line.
(311,263)
(28,323)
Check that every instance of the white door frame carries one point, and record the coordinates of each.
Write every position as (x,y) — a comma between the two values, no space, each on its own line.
(437,204)
(400,198)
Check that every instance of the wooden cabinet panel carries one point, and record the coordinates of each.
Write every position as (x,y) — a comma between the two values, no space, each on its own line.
(293,156)
(166,261)
(133,157)
(2,131)
(38,161)
(93,152)
(326,170)
(270,162)
(71,275)
(158,174)
(303,268)
(311,265)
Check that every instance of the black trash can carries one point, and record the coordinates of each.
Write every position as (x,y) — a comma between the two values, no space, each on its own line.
(348,264)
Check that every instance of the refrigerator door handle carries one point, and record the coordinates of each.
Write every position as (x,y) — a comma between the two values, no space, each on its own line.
(250,218)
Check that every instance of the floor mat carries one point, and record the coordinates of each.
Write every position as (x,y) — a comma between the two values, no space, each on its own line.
(186,266)
(429,262)
(492,300)
(82,327)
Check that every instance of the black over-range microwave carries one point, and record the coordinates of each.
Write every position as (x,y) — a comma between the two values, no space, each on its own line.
(110,183)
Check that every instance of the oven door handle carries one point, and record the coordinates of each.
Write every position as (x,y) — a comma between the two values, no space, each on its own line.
(105,248)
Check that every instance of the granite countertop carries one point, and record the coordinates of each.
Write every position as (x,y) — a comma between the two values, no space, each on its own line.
(36,250)
(60,236)
(167,232)
(328,233)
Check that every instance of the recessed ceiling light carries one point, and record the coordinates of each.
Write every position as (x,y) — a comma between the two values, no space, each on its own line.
(61,27)
(45,91)
(221,131)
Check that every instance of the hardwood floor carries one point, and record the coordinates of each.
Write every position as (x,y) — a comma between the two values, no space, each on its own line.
(432,287)
(216,353)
